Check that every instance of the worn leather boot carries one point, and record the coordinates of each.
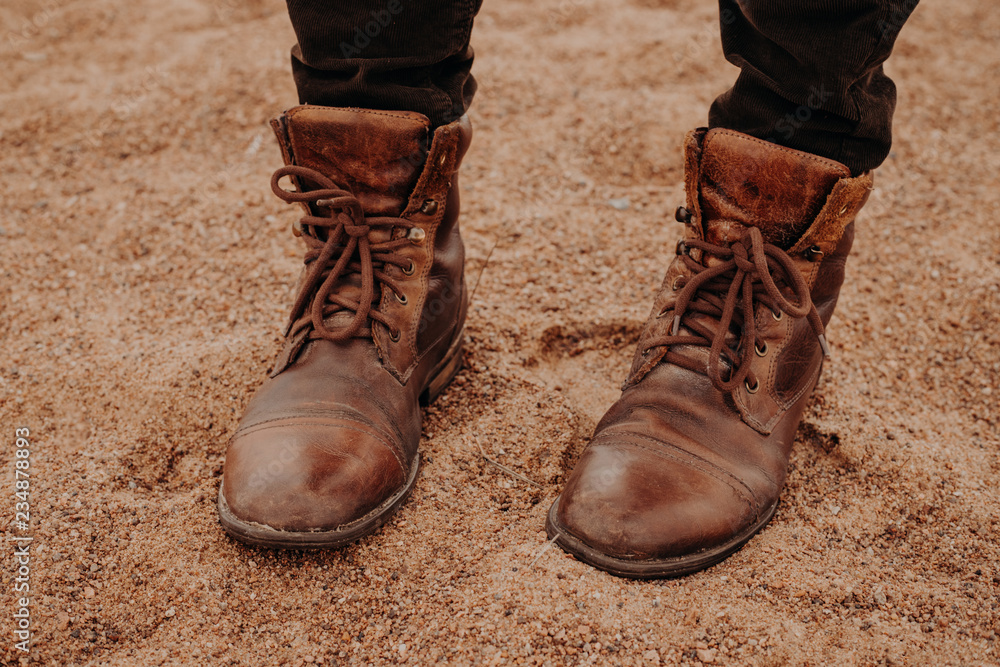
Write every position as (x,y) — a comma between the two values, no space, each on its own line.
(327,448)
(688,465)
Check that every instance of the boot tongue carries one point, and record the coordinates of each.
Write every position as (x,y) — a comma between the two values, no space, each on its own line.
(378,155)
(748,182)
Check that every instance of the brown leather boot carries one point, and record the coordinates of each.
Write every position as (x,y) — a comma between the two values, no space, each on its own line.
(687,466)
(327,448)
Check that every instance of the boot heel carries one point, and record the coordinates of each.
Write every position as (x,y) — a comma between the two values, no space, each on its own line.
(449,368)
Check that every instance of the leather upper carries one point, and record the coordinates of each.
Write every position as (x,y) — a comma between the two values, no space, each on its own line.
(378,155)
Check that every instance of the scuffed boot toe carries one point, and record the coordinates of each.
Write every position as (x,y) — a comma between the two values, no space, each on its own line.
(286,484)
(621,515)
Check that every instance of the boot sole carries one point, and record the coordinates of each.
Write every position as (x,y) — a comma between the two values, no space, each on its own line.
(665,568)
(260,535)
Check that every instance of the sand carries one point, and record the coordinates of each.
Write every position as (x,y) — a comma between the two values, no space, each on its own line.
(147,271)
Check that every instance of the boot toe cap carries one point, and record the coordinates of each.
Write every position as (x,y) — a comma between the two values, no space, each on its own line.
(632,503)
(309,475)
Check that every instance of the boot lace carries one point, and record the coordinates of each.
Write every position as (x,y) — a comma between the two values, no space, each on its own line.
(339,246)
(749,273)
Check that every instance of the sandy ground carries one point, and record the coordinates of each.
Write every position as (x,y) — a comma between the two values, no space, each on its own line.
(147,271)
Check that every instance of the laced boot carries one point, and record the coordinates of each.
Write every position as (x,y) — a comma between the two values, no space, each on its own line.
(327,448)
(688,464)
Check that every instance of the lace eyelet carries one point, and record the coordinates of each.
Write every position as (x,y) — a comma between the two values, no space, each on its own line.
(401,298)
(761,351)
(408,270)
(416,235)
(777,315)
(675,285)
(753,389)
(297,228)
(813,253)
(394,336)
(429,207)
(682,214)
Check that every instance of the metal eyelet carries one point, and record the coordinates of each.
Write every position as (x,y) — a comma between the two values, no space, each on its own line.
(297,228)
(682,215)
(682,247)
(416,235)
(813,253)
(401,298)
(675,285)
(429,207)
(408,270)
(761,351)
(394,336)
(777,315)
(753,389)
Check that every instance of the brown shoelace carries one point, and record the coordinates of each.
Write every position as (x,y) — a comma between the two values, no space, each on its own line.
(748,274)
(344,248)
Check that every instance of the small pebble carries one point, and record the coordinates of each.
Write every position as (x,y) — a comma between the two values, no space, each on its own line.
(706,655)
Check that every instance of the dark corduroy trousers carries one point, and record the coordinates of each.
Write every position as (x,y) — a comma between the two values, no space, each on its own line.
(811,70)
